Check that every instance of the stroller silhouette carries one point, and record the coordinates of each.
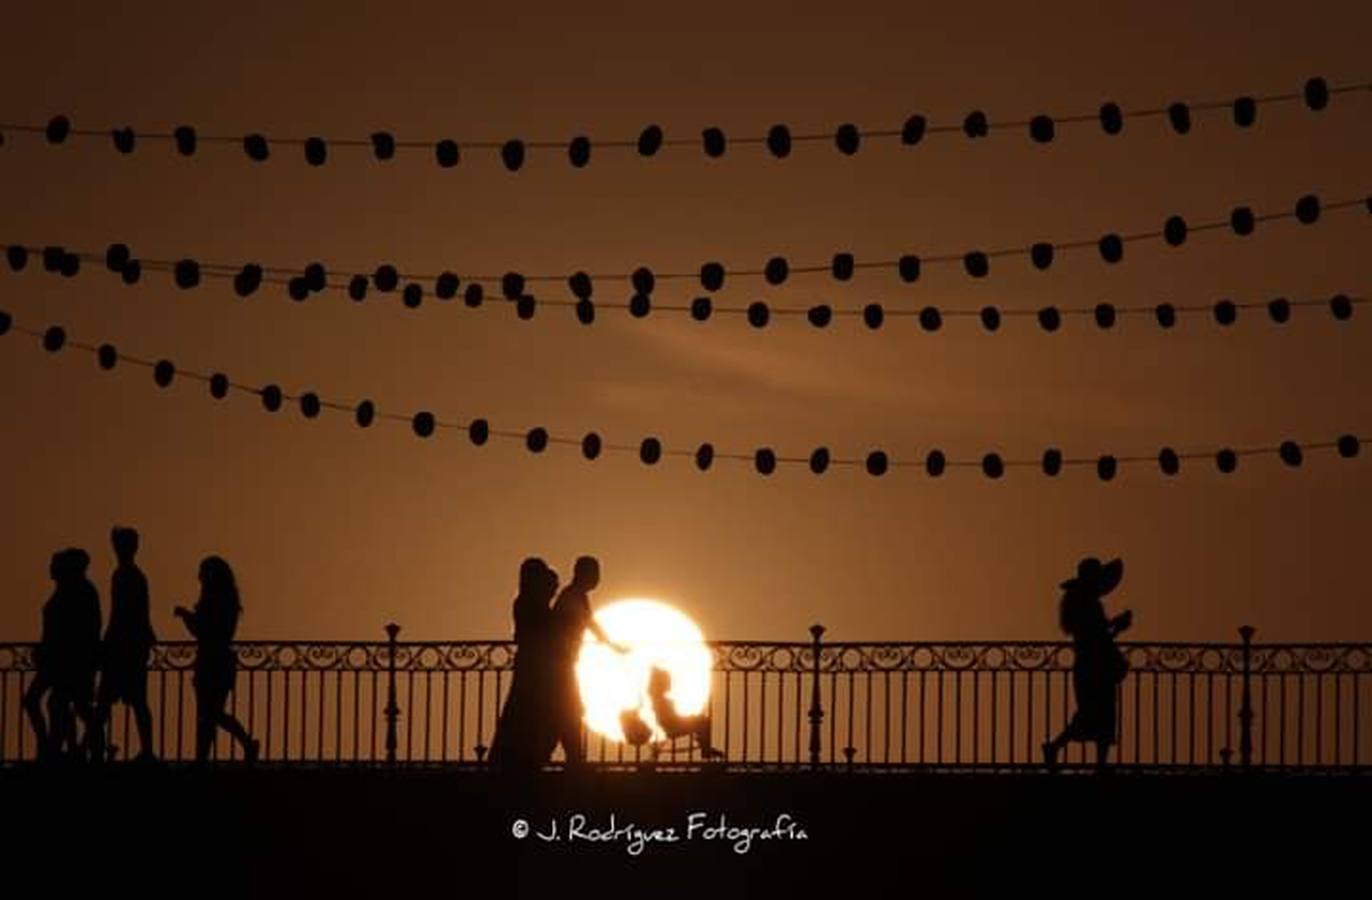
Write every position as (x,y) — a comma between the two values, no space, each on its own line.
(674,725)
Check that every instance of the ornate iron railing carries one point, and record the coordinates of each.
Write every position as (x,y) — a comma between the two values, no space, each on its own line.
(807,703)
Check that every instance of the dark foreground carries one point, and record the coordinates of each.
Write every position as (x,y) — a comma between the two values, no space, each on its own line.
(275,831)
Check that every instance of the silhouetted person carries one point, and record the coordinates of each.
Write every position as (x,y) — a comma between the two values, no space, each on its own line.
(524,729)
(1098,665)
(45,661)
(571,618)
(128,642)
(673,723)
(67,656)
(213,623)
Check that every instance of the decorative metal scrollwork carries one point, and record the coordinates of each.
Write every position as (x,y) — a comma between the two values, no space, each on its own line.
(770,657)
(1322,659)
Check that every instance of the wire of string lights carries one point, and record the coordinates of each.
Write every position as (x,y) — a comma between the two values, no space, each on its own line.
(386,279)
(650,450)
(779,139)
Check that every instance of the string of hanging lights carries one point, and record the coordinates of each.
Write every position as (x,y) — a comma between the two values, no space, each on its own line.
(650,450)
(302,282)
(779,139)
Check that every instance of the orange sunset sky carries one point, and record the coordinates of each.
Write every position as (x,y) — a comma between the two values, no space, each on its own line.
(334,531)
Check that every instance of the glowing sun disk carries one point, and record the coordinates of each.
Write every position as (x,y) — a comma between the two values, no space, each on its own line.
(657,635)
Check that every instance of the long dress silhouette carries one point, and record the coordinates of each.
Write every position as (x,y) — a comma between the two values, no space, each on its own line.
(213,623)
(524,728)
(66,658)
(128,642)
(1098,666)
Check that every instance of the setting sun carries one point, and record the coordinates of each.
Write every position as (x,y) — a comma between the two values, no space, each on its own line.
(657,635)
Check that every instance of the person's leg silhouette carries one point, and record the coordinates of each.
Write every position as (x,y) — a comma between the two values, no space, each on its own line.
(211,716)
(33,706)
(235,728)
(569,735)
(204,725)
(142,717)
(61,722)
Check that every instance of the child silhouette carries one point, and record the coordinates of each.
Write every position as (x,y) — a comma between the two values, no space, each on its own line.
(672,723)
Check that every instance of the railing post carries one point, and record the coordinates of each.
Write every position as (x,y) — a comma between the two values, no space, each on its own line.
(392,708)
(1246,707)
(816,709)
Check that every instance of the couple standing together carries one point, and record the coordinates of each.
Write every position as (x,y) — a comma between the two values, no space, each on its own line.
(544,705)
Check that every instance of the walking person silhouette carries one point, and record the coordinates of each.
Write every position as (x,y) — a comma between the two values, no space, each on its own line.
(1098,665)
(66,658)
(523,719)
(213,623)
(571,619)
(128,641)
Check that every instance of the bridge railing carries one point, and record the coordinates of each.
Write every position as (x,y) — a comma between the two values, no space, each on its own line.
(961,704)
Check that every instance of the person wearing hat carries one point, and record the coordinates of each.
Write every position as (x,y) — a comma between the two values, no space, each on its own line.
(1098,665)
